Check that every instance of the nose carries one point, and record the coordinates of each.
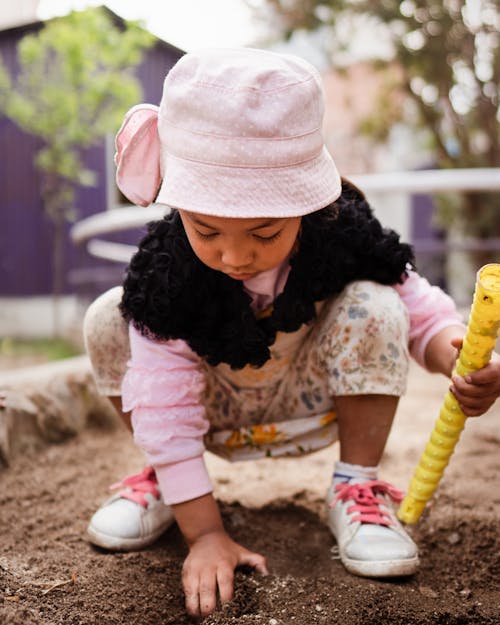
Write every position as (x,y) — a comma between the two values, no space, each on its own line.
(236,256)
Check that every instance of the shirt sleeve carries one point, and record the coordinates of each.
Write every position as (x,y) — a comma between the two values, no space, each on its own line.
(162,387)
(430,310)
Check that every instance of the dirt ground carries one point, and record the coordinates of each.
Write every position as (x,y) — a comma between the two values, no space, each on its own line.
(49,574)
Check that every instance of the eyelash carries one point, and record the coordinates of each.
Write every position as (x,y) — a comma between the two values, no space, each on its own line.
(263,240)
(270,239)
(206,236)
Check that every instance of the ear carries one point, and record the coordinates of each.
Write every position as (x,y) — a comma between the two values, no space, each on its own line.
(138,155)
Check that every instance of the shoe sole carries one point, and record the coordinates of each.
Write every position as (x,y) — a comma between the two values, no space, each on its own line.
(113,543)
(381,568)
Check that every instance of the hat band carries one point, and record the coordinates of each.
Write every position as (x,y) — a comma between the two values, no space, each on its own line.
(247,152)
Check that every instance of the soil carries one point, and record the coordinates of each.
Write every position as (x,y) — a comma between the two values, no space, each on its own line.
(49,574)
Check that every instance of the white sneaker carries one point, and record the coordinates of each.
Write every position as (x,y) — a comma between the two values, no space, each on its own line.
(133,518)
(370,539)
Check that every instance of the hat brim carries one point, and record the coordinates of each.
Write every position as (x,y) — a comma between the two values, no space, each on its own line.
(222,191)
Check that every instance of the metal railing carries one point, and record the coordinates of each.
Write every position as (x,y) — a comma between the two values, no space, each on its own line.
(88,231)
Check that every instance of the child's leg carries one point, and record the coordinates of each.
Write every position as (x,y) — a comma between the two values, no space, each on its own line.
(366,355)
(125,416)
(105,335)
(135,516)
(364,423)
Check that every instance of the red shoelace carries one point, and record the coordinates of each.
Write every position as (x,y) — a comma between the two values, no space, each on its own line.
(136,486)
(366,502)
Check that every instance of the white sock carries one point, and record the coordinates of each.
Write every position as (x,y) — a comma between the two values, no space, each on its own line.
(345,472)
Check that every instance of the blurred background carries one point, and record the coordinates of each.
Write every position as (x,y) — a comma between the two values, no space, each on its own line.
(411,116)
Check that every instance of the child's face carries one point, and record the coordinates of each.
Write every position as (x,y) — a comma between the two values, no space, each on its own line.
(240,248)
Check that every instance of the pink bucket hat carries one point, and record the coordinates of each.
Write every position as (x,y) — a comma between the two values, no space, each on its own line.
(238,134)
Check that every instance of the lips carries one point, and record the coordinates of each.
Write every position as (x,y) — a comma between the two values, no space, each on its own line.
(241,276)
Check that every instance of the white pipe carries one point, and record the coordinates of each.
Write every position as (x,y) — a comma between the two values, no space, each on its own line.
(429,181)
(423,181)
(119,252)
(115,220)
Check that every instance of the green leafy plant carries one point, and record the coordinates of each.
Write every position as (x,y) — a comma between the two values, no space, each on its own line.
(37,349)
(445,62)
(75,81)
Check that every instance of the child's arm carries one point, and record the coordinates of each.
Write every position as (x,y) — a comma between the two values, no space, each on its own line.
(441,351)
(435,339)
(213,555)
(162,388)
(478,391)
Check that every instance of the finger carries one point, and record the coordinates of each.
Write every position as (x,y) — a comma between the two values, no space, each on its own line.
(474,407)
(457,343)
(192,601)
(463,388)
(487,375)
(225,582)
(254,560)
(473,412)
(208,592)
(190,584)
(472,399)
(476,387)
(481,405)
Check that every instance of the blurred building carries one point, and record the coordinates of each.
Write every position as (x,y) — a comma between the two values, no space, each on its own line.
(352,96)
(18,13)
(26,234)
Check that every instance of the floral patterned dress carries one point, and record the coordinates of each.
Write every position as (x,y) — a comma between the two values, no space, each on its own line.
(358,344)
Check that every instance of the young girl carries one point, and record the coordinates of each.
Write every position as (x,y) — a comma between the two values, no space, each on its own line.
(268,313)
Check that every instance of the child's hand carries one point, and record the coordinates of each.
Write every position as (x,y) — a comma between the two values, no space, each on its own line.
(210,566)
(477,391)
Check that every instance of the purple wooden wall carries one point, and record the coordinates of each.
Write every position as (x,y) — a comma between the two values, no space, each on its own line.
(25,233)
(423,231)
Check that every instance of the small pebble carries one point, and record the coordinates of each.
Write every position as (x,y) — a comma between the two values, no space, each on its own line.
(428,592)
(454,538)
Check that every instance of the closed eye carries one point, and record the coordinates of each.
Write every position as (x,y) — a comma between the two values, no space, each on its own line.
(268,239)
(203,235)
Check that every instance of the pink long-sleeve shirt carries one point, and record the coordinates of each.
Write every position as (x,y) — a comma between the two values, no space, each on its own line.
(164,383)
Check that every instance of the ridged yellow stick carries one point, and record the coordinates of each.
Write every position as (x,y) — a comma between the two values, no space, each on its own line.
(479,342)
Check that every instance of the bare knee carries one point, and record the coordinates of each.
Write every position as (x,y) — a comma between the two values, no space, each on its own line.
(107,343)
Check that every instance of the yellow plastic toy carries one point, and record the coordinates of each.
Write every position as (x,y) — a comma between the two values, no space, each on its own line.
(478,344)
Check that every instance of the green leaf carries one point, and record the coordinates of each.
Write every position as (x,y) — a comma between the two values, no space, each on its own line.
(76,81)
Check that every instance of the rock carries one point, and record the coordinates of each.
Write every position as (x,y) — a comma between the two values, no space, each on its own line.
(47,404)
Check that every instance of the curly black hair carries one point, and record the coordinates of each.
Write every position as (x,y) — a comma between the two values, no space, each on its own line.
(170,294)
